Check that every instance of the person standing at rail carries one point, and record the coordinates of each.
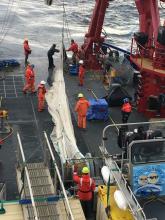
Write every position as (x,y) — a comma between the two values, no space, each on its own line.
(81,108)
(50,54)
(41,96)
(86,187)
(29,79)
(126,110)
(81,72)
(27,51)
(74,48)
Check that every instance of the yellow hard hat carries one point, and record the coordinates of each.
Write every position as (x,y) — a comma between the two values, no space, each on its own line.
(85,170)
(80,95)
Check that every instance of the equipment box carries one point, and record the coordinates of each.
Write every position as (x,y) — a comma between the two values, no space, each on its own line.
(98,110)
(73,69)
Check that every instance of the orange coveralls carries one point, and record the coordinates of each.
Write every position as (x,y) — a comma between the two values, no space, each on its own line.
(41,97)
(81,108)
(81,75)
(29,79)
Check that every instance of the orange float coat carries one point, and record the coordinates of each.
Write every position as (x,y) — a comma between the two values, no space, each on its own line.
(81,75)
(86,186)
(126,107)
(73,47)
(81,108)
(41,97)
(30,79)
(27,49)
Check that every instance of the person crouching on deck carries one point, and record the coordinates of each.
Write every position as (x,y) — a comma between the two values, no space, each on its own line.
(81,108)
(81,72)
(41,96)
(29,79)
(126,110)
(86,187)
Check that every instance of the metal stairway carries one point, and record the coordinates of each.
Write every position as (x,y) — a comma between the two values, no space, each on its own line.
(42,187)
(38,197)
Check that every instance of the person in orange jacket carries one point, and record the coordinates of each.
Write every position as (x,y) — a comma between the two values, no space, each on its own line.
(81,108)
(27,50)
(74,48)
(86,187)
(126,110)
(81,73)
(29,79)
(41,96)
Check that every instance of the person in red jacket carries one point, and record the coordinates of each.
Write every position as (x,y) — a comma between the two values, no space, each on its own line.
(126,110)
(86,187)
(81,108)
(27,50)
(81,73)
(74,48)
(29,79)
(41,96)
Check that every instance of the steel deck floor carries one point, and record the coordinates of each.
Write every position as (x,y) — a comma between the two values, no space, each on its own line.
(25,119)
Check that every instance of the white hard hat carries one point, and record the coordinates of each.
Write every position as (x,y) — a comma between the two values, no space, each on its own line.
(81,62)
(80,95)
(43,82)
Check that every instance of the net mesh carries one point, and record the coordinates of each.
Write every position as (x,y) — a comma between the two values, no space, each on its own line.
(62,136)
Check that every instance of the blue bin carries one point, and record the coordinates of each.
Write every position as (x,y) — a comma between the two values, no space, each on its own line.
(98,110)
(73,70)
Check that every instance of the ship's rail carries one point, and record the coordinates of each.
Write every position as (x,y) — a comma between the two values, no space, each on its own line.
(130,198)
(155,54)
(28,178)
(133,204)
(67,205)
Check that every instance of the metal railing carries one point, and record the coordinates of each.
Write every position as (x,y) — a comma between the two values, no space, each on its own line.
(130,198)
(68,208)
(28,178)
(2,191)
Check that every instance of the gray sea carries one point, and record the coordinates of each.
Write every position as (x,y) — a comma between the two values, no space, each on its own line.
(43,25)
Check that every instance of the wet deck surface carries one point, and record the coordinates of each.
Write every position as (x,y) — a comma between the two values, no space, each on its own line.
(90,140)
(23,118)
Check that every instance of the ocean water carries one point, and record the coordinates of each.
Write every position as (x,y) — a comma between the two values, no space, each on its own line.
(43,25)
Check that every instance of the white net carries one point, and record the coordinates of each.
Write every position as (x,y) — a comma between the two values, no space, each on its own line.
(62,135)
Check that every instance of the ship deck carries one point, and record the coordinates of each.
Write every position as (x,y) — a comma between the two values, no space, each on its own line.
(25,119)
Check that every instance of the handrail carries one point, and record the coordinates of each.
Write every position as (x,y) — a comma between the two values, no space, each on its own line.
(121,124)
(137,212)
(59,177)
(28,178)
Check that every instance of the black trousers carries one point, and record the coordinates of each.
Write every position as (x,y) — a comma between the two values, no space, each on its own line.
(50,59)
(87,207)
(26,59)
(125,116)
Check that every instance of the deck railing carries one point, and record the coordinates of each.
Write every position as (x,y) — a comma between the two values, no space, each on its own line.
(68,208)
(28,178)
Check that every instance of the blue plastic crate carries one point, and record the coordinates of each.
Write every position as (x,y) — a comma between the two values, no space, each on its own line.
(73,70)
(98,110)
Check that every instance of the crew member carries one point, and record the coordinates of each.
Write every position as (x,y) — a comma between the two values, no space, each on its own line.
(41,96)
(81,72)
(29,79)
(27,50)
(86,187)
(81,108)
(74,48)
(50,54)
(126,110)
